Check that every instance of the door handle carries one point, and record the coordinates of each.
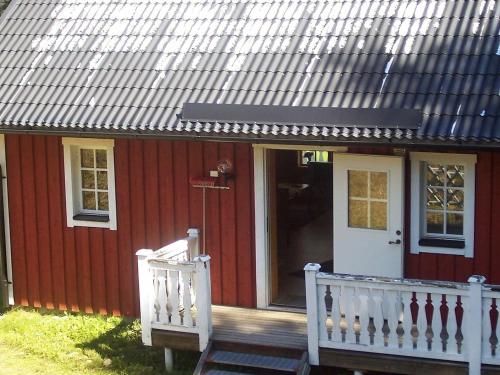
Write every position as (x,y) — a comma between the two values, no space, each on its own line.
(397,242)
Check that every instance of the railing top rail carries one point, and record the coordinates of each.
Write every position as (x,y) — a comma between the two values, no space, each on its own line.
(165,264)
(173,249)
(325,278)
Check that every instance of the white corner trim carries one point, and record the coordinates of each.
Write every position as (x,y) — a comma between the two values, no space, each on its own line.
(5,192)
(69,181)
(261,245)
(468,161)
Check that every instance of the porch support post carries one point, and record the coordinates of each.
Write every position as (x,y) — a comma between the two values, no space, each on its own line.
(169,360)
(145,286)
(311,270)
(203,299)
(195,250)
(475,323)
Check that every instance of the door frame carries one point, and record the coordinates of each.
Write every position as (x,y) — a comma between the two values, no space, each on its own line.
(6,226)
(262,235)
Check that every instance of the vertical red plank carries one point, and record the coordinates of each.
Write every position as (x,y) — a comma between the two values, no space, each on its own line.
(196,169)
(181,192)
(98,270)
(495,221)
(57,221)
(43,222)
(244,225)
(137,194)
(213,239)
(30,222)
(446,267)
(84,278)
(152,215)
(228,234)
(125,256)
(112,271)
(14,178)
(166,192)
(482,236)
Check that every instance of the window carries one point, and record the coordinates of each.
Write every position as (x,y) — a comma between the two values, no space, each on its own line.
(306,157)
(89,182)
(367,199)
(442,191)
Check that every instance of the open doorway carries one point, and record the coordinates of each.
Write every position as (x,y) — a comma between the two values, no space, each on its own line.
(300,211)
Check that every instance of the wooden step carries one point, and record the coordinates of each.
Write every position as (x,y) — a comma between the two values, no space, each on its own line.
(251,360)
(224,372)
(222,358)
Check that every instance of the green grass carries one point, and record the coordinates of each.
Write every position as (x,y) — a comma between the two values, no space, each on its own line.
(43,342)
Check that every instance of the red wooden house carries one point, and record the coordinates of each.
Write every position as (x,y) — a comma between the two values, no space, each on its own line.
(358,137)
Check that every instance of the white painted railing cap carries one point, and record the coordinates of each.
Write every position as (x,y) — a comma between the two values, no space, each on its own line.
(193,232)
(144,252)
(476,279)
(312,267)
(202,258)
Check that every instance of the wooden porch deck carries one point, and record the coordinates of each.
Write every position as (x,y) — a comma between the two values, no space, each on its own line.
(277,329)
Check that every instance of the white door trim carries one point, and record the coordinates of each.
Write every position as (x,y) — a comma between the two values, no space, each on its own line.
(262,256)
(5,192)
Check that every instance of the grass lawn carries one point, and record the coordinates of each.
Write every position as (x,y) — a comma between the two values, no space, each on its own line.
(42,342)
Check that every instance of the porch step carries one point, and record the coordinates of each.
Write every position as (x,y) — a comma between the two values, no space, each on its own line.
(222,358)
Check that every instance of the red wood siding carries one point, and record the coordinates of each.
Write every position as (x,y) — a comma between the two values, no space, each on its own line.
(93,269)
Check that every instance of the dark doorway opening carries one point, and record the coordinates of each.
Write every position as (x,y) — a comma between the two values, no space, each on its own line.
(300,185)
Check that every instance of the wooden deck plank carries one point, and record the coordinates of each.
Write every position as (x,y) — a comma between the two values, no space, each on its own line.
(260,327)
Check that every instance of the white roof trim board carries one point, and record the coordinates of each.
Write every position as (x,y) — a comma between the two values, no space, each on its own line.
(128,66)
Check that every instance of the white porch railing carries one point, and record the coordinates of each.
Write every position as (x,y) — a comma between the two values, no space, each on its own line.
(174,287)
(436,320)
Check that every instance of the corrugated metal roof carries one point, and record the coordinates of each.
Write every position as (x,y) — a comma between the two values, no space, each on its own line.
(130,65)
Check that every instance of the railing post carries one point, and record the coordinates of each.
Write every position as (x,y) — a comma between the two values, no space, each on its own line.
(145,292)
(195,250)
(203,299)
(311,270)
(474,323)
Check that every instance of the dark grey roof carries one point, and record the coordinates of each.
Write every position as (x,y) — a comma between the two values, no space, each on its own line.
(129,65)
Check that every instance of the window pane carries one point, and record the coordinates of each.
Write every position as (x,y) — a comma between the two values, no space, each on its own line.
(358,213)
(378,215)
(454,200)
(88,180)
(435,175)
(455,175)
(102,180)
(88,201)
(455,224)
(103,201)
(358,184)
(378,185)
(87,158)
(435,198)
(101,159)
(435,222)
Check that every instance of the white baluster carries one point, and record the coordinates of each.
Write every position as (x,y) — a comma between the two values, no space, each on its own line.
(186,300)
(156,292)
(322,313)
(421,321)
(497,332)
(451,324)
(335,314)
(466,328)
(349,296)
(378,316)
(173,296)
(407,298)
(437,323)
(162,296)
(364,318)
(392,301)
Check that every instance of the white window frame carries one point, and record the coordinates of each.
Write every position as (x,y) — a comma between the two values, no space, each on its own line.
(418,200)
(72,181)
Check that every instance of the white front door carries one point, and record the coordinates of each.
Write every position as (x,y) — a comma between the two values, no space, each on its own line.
(368,215)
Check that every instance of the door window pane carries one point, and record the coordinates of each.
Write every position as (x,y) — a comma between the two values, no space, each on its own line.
(367,199)
(358,184)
